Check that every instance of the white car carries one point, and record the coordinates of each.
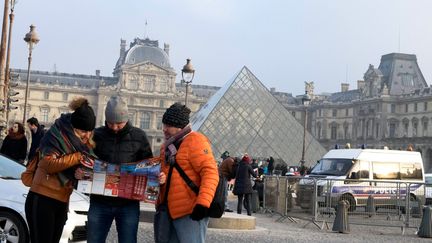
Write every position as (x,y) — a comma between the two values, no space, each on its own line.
(13,226)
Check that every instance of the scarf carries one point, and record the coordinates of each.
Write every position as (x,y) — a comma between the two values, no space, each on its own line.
(173,143)
(60,139)
(15,135)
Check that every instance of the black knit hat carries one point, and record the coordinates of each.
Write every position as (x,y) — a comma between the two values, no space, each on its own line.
(84,118)
(177,116)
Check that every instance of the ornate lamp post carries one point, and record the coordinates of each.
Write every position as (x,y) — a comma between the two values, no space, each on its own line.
(188,73)
(32,39)
(3,44)
(7,71)
(305,101)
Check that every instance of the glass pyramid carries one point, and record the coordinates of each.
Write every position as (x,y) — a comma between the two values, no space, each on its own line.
(244,117)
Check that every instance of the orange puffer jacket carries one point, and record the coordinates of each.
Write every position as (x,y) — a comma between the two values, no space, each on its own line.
(195,157)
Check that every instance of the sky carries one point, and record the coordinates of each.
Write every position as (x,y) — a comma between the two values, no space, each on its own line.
(283,42)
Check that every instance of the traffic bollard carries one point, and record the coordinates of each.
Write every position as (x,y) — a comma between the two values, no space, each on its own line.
(341,223)
(425,229)
(370,206)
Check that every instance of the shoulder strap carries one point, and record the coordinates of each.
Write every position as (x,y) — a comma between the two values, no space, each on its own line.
(186,178)
(168,182)
(173,163)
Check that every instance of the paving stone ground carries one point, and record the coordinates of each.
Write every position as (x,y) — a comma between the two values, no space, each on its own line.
(268,230)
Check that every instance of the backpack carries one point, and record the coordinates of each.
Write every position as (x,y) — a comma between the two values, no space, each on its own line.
(217,206)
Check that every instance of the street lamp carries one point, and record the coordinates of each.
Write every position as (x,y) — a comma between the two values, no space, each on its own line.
(7,71)
(188,73)
(32,39)
(305,101)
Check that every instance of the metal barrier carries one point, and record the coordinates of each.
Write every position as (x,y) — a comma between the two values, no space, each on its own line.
(370,202)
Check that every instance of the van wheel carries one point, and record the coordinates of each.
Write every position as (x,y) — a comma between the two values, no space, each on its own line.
(412,200)
(350,200)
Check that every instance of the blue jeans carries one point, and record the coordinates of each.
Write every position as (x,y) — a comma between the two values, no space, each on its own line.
(186,230)
(100,217)
(226,194)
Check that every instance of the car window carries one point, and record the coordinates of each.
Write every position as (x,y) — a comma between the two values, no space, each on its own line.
(428,179)
(10,169)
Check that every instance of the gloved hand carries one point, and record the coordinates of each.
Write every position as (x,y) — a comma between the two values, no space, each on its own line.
(199,212)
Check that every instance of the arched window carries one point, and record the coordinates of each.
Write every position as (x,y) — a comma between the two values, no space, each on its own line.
(333,130)
(318,132)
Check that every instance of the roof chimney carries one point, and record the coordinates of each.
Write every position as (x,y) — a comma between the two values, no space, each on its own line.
(122,47)
(344,87)
(97,73)
(272,90)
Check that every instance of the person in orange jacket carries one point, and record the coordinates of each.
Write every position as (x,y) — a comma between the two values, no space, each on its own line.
(193,153)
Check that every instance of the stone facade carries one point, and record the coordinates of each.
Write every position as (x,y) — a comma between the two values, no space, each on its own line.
(390,107)
(143,77)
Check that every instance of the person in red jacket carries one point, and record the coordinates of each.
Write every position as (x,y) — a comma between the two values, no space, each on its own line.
(192,152)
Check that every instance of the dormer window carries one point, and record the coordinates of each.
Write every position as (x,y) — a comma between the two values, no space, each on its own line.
(407,79)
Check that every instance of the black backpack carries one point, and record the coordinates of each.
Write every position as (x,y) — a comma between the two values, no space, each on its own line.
(217,206)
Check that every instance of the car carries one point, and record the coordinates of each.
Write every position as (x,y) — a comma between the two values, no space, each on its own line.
(13,225)
(428,188)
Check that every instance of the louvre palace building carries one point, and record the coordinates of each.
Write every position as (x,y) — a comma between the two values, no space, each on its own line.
(391,106)
(142,76)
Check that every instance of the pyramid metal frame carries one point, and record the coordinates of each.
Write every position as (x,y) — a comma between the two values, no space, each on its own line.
(244,117)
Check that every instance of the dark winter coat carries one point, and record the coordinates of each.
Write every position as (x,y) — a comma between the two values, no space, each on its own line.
(226,168)
(15,147)
(270,165)
(243,183)
(130,144)
(36,138)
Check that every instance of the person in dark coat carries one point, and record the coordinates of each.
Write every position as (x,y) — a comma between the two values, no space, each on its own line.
(226,169)
(117,142)
(37,132)
(15,144)
(270,165)
(243,185)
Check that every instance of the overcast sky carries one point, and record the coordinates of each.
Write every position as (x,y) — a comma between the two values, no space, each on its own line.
(283,42)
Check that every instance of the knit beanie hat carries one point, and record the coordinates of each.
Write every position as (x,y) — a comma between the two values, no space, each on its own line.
(116,110)
(83,116)
(176,115)
(246,158)
(225,155)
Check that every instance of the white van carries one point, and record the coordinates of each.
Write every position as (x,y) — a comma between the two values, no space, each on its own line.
(361,166)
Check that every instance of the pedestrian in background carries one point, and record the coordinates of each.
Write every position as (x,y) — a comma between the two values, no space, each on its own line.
(192,152)
(37,132)
(15,144)
(226,168)
(270,165)
(61,150)
(243,185)
(118,142)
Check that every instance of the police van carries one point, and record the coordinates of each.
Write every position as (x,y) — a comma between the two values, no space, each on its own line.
(355,174)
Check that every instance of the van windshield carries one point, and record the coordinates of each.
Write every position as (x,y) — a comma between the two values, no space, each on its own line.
(334,167)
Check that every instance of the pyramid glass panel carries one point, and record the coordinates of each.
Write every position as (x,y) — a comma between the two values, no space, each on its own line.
(244,117)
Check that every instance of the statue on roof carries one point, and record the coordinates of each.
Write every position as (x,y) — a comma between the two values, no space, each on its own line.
(385,90)
(309,88)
